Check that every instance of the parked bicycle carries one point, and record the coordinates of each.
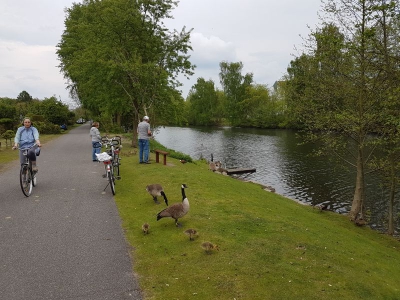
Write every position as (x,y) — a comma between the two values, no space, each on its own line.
(110,159)
(27,177)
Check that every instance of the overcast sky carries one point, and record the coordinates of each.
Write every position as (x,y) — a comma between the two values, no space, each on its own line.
(262,34)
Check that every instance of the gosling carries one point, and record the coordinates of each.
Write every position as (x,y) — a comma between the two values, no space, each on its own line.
(191,233)
(145,228)
(156,190)
(177,210)
(208,247)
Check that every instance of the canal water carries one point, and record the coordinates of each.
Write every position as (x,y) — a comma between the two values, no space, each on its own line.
(281,163)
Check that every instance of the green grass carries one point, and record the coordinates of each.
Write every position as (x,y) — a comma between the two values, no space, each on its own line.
(7,154)
(269,247)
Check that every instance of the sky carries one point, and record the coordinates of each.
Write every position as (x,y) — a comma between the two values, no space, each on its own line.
(262,34)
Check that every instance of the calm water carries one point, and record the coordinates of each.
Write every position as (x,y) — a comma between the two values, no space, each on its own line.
(281,163)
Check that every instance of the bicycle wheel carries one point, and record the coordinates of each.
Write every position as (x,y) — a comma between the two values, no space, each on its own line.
(34,180)
(111,181)
(25,180)
(116,167)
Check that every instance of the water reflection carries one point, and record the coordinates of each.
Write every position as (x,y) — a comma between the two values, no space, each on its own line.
(281,163)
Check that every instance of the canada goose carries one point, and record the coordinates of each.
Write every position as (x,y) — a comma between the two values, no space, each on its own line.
(145,228)
(183,161)
(177,210)
(191,233)
(321,206)
(208,247)
(213,166)
(156,190)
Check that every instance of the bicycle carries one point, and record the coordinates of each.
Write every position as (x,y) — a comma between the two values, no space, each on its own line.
(27,177)
(111,160)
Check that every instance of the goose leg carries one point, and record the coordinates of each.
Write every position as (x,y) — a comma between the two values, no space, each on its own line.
(155,200)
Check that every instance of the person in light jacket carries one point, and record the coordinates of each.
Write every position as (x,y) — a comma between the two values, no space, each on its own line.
(27,137)
(144,135)
(96,139)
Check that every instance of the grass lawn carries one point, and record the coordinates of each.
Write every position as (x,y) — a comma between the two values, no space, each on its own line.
(270,247)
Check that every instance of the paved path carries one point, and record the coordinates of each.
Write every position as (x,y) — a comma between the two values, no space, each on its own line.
(65,241)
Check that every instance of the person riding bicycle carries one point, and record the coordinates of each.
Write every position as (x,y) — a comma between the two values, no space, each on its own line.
(27,136)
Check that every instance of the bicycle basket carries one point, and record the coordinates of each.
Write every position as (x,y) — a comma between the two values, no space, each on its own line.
(103,156)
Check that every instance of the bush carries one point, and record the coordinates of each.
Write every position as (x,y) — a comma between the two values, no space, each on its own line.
(47,128)
(8,136)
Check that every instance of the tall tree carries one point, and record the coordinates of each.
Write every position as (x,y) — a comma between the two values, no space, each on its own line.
(24,97)
(203,101)
(341,98)
(386,40)
(120,58)
(234,85)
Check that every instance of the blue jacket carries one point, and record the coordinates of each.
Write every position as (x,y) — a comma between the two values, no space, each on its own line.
(26,137)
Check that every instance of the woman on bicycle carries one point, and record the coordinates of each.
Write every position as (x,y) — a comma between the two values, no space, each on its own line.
(27,136)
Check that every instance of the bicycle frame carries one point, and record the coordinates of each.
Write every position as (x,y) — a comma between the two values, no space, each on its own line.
(27,176)
(112,166)
(109,175)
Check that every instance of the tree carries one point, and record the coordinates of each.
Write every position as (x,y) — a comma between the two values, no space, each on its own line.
(336,94)
(24,97)
(203,101)
(234,85)
(260,108)
(386,41)
(121,59)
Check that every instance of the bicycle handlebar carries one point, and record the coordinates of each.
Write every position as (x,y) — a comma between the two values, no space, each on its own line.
(22,149)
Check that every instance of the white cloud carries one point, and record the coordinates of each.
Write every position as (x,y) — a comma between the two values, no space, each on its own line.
(261,34)
(31,68)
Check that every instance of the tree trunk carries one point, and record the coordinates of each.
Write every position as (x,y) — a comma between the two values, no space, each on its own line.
(391,203)
(134,130)
(356,211)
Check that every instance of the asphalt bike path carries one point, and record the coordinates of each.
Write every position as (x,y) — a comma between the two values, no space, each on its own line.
(65,241)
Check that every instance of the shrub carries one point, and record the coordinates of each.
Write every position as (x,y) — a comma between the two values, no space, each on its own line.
(47,128)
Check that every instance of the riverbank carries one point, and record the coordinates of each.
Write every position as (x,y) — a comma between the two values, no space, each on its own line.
(270,247)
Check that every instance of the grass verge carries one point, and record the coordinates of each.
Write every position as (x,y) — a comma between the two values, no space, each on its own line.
(270,247)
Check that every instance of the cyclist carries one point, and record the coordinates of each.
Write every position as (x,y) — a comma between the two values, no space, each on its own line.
(27,136)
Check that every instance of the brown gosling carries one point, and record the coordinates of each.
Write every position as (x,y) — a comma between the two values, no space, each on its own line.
(177,210)
(156,190)
(145,228)
(208,247)
(191,233)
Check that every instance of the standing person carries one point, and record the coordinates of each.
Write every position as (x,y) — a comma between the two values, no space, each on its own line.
(144,135)
(96,139)
(27,136)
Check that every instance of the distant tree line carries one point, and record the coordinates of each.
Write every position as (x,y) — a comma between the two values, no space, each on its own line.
(46,114)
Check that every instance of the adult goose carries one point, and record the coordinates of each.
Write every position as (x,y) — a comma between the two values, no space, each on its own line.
(156,190)
(177,210)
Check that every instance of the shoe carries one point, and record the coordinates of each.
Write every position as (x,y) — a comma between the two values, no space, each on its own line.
(95,160)
(147,162)
(34,169)
(141,162)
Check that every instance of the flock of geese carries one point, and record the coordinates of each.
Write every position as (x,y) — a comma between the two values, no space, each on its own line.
(176,211)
